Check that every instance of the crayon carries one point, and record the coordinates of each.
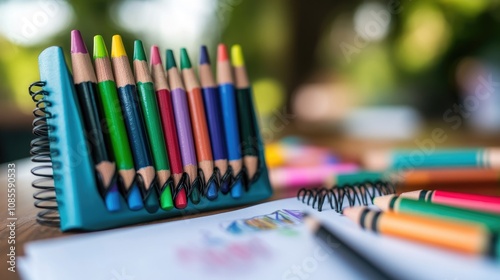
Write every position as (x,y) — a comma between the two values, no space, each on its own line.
(410,206)
(127,93)
(230,117)
(116,126)
(183,124)
(86,90)
(416,159)
(170,132)
(152,120)
(199,125)
(244,101)
(463,237)
(214,119)
(464,200)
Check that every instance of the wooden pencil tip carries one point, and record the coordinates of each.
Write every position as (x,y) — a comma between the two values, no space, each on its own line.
(237,56)
(77,44)
(139,53)
(383,202)
(170,59)
(155,55)
(222,53)
(117,48)
(185,61)
(204,57)
(100,50)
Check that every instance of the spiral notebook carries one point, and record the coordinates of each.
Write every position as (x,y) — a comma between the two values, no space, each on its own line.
(67,190)
(266,241)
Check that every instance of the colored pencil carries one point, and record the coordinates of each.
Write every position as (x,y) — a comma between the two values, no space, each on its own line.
(127,93)
(116,127)
(183,124)
(464,200)
(214,118)
(152,120)
(199,124)
(419,177)
(459,236)
(355,258)
(86,90)
(415,159)
(230,116)
(167,116)
(290,177)
(410,206)
(248,132)
(297,155)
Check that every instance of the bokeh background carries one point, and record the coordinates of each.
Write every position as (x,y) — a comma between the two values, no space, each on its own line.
(371,70)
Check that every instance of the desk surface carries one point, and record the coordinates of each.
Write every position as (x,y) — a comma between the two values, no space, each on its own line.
(27,229)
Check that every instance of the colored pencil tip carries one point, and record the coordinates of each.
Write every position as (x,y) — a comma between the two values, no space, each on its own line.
(139,53)
(170,59)
(112,199)
(117,48)
(237,56)
(222,53)
(212,190)
(237,189)
(181,199)
(155,55)
(77,44)
(166,198)
(185,61)
(195,193)
(204,58)
(134,198)
(224,186)
(151,201)
(100,50)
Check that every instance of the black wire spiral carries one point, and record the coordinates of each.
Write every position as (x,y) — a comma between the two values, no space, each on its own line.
(357,194)
(45,197)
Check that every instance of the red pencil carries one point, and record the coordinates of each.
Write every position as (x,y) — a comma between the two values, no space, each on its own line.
(168,122)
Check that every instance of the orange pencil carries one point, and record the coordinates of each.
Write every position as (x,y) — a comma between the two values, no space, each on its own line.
(199,125)
(459,236)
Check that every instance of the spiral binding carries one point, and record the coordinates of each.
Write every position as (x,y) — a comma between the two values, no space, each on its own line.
(45,198)
(357,194)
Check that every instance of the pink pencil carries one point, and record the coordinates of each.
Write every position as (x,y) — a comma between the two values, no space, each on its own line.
(290,177)
(463,200)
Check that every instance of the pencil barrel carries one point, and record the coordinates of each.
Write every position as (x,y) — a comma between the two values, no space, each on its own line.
(247,128)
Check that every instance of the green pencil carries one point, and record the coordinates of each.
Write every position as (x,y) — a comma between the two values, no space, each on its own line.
(116,127)
(147,96)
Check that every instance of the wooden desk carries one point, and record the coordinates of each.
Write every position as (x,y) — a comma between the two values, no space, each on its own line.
(27,229)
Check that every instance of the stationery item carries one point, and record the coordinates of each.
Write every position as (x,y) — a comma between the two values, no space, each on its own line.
(66,185)
(230,118)
(294,177)
(464,200)
(339,197)
(422,158)
(282,153)
(152,120)
(134,123)
(85,84)
(214,119)
(410,206)
(459,236)
(244,101)
(115,125)
(352,255)
(183,125)
(419,177)
(170,132)
(200,129)
(265,241)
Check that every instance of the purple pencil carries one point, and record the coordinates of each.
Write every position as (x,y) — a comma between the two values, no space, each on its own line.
(183,124)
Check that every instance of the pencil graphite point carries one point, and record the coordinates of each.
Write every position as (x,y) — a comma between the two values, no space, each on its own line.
(139,51)
(185,62)
(222,53)
(204,57)
(170,59)
(77,44)
(117,48)
(237,56)
(155,55)
(100,50)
